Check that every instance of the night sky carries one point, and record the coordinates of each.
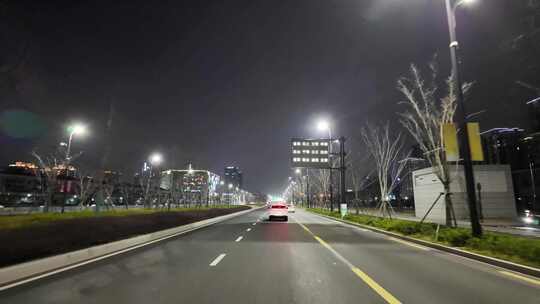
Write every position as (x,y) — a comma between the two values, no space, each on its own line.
(221,83)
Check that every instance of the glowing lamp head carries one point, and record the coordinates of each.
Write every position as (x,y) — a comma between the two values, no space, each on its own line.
(156,159)
(77,129)
(323,125)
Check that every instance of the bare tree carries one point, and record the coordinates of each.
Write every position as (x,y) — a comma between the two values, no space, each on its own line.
(87,186)
(426,115)
(359,175)
(386,151)
(49,176)
(320,185)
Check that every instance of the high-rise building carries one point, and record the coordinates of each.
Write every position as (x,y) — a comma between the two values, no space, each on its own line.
(234,176)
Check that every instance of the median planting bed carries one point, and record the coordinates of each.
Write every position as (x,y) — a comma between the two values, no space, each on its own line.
(28,237)
(512,248)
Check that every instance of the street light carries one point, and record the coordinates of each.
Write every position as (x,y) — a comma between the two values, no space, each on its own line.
(451,7)
(297,171)
(324,125)
(156,159)
(75,129)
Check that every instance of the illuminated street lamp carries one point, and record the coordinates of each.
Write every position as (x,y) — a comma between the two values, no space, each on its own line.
(323,125)
(462,115)
(75,129)
(156,159)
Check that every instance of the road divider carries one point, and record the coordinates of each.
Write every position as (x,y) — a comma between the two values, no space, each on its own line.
(23,273)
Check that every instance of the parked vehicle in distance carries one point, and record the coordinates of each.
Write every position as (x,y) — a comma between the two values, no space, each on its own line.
(291,208)
(278,210)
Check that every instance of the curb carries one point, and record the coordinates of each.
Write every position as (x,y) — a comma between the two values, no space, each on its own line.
(19,274)
(528,270)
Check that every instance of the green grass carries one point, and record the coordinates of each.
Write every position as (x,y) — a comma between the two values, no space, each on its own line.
(508,247)
(21,221)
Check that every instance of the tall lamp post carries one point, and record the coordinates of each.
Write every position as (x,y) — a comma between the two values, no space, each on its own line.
(75,129)
(155,160)
(451,7)
(324,125)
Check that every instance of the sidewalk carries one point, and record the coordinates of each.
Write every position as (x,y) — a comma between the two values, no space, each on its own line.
(510,226)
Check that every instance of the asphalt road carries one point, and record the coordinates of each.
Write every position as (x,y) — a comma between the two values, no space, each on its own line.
(309,259)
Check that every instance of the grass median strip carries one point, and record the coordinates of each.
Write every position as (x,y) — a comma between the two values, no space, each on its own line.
(517,249)
(387,296)
(62,233)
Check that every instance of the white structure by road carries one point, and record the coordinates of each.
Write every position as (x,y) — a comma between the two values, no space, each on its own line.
(497,193)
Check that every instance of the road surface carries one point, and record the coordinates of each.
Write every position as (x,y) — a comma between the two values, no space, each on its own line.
(309,259)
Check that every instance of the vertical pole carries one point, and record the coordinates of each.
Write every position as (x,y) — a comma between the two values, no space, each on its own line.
(342,169)
(462,122)
(307,188)
(331,186)
(68,150)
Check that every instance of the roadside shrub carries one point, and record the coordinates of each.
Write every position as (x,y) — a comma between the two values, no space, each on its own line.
(457,237)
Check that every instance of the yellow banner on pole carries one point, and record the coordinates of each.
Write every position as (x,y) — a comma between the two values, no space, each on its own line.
(475,142)
(450,141)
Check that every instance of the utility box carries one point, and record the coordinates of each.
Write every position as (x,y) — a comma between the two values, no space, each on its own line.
(495,198)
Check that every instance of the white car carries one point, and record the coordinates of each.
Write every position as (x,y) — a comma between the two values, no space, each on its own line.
(278,210)
(291,208)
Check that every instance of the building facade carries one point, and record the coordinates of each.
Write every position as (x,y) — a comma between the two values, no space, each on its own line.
(233,176)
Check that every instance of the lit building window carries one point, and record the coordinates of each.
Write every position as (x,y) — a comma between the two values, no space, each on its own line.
(314,160)
(296,151)
(324,152)
(296,143)
(296,159)
(324,160)
(305,151)
(305,143)
(324,144)
(315,143)
(306,160)
(315,152)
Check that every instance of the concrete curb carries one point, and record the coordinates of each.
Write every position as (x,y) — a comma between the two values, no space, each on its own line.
(19,274)
(528,270)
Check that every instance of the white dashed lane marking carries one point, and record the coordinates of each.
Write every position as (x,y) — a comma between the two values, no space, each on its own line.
(217,260)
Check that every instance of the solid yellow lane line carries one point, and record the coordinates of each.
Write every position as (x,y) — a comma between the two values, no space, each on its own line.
(388,297)
(520,277)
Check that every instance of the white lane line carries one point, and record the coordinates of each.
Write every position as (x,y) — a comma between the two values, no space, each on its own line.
(254,224)
(217,260)
(248,230)
(239,239)
(408,243)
